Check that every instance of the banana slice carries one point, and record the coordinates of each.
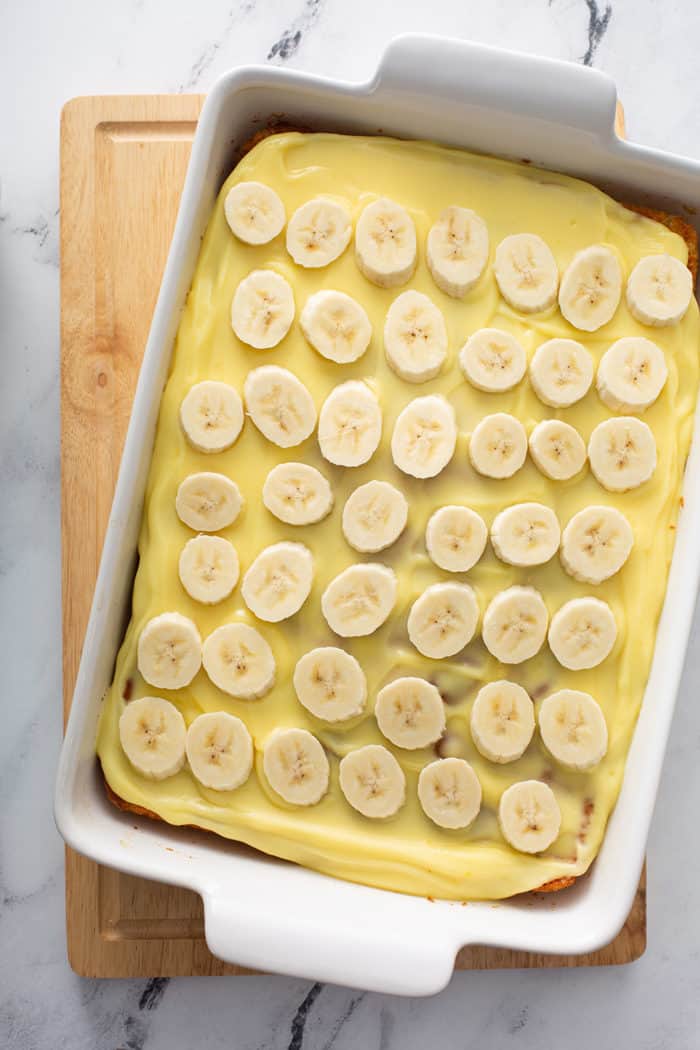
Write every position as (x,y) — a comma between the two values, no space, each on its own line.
(659,290)
(297,494)
(336,326)
(526,272)
(561,372)
(631,374)
(208,569)
(254,212)
(557,449)
(515,624)
(529,816)
(595,544)
(330,684)
(207,502)
(152,734)
(349,425)
(449,792)
(296,766)
(359,599)
(239,661)
(591,288)
(573,729)
(424,437)
(582,633)
(318,233)
(526,534)
(622,453)
(169,652)
(502,721)
(493,360)
(498,446)
(211,415)
(385,243)
(455,538)
(457,250)
(373,782)
(262,310)
(374,516)
(415,337)
(443,619)
(279,581)
(410,713)
(219,750)
(280,405)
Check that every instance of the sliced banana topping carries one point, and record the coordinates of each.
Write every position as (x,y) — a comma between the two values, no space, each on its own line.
(410,713)
(596,543)
(254,212)
(659,290)
(449,792)
(443,619)
(526,534)
(498,446)
(169,651)
(526,272)
(359,599)
(280,405)
(502,721)
(374,516)
(424,437)
(349,425)
(457,250)
(561,372)
(207,502)
(152,734)
(239,661)
(330,684)
(219,750)
(455,538)
(631,374)
(622,453)
(373,782)
(529,816)
(296,766)
(385,243)
(493,360)
(279,581)
(557,449)
(318,233)
(573,729)
(211,415)
(415,337)
(208,568)
(591,288)
(582,633)
(297,494)
(336,326)
(515,625)
(262,310)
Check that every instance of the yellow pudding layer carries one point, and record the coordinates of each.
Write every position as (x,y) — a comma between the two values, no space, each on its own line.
(407,852)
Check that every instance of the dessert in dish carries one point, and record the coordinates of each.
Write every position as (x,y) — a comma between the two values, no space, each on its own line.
(409,517)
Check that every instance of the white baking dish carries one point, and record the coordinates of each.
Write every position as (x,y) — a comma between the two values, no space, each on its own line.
(273,915)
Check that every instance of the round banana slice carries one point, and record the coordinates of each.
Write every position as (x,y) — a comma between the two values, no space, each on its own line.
(515,625)
(296,766)
(297,494)
(169,651)
(622,453)
(596,543)
(582,633)
(425,436)
(659,290)
(374,516)
(498,446)
(502,721)
(318,233)
(219,750)
(493,360)
(358,600)
(349,425)
(330,684)
(208,569)
(443,619)
(254,212)
(336,326)
(455,538)
(526,272)
(529,816)
(573,729)
(262,310)
(415,337)
(591,288)
(279,581)
(239,661)
(280,405)
(557,449)
(410,713)
(457,250)
(526,534)
(561,372)
(373,782)
(207,502)
(385,243)
(211,415)
(152,734)
(449,792)
(631,374)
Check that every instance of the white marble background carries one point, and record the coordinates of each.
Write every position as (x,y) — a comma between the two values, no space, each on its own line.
(50,52)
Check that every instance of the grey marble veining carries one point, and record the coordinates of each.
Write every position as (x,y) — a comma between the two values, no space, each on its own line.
(49,53)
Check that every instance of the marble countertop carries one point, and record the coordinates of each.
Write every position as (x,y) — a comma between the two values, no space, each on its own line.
(49,54)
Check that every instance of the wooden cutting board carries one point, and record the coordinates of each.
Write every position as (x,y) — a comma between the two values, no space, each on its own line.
(123,162)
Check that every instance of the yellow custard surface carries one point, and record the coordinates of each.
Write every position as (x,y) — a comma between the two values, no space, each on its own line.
(407,852)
